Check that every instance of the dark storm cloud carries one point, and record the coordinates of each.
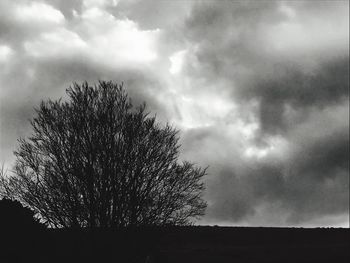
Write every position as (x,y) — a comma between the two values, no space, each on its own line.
(324,158)
(325,86)
(301,92)
(309,183)
(232,45)
(317,174)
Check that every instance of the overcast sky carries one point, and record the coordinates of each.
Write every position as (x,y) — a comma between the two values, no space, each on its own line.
(259,90)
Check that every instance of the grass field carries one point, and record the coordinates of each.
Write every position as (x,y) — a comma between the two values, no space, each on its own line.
(178,244)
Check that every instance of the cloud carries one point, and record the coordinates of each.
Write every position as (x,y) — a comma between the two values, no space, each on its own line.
(259,90)
(37,12)
(43,57)
(290,94)
(299,183)
(5,53)
(154,14)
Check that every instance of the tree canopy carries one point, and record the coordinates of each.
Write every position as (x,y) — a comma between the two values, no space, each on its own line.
(96,160)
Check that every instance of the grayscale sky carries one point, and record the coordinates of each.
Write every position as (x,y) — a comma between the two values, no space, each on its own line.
(259,90)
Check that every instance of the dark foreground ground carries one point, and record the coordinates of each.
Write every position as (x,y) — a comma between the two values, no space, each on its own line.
(177,244)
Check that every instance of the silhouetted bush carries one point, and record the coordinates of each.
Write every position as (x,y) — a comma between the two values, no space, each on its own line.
(14,216)
(20,233)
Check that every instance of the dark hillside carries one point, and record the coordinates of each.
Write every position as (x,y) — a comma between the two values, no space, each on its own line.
(182,244)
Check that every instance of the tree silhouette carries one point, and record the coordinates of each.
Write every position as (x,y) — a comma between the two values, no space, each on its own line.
(95,160)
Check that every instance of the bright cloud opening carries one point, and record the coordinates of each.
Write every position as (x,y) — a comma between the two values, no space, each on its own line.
(5,53)
(176,61)
(275,146)
(38,12)
(59,42)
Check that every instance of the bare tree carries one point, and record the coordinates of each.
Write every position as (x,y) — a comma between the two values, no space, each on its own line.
(95,160)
